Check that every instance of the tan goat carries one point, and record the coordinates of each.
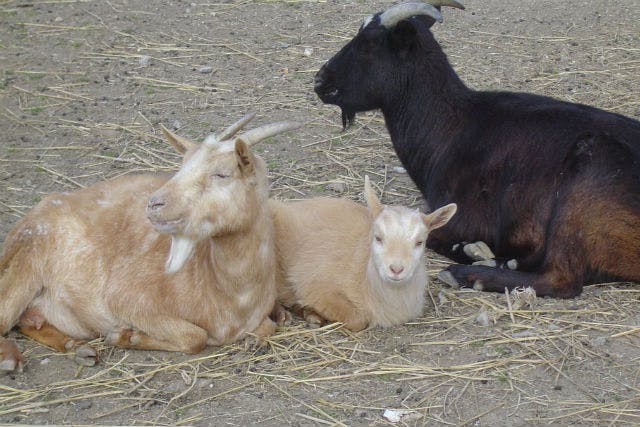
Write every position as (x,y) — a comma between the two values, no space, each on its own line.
(197,268)
(341,261)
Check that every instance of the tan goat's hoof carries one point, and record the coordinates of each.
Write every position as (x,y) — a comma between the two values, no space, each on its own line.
(10,357)
(9,365)
(86,355)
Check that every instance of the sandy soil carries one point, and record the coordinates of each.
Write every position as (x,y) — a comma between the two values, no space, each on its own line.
(83,87)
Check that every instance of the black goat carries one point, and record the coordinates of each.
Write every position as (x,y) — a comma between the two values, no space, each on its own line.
(552,184)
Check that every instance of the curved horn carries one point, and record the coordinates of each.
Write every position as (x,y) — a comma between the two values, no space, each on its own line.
(235,128)
(450,3)
(397,13)
(258,134)
(179,143)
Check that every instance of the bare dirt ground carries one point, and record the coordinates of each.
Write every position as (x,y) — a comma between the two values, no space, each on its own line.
(83,87)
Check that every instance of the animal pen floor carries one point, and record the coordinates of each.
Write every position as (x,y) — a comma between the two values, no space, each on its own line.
(83,87)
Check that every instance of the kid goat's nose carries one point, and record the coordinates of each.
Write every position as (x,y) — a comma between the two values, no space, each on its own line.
(396,269)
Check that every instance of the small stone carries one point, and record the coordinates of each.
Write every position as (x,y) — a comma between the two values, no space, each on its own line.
(58,19)
(599,341)
(399,169)
(307,51)
(337,187)
(176,125)
(205,69)
(144,60)
(85,404)
(483,318)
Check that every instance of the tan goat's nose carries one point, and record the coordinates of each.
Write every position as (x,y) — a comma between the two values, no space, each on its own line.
(155,203)
(396,269)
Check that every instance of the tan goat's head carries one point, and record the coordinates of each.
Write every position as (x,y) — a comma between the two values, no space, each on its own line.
(399,234)
(219,189)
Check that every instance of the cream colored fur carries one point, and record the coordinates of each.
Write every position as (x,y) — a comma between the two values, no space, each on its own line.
(92,263)
(335,257)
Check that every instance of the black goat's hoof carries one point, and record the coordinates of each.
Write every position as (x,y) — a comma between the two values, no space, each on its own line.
(446,277)
(478,251)
(486,263)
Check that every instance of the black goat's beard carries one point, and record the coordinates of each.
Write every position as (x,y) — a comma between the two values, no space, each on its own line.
(348,116)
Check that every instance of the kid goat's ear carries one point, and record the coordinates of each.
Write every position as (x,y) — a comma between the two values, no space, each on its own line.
(373,202)
(181,144)
(245,159)
(440,216)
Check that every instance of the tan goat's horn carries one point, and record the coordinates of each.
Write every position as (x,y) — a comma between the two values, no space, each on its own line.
(258,134)
(235,128)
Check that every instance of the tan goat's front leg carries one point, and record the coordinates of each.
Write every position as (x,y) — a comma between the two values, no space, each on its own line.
(10,357)
(165,334)
(33,324)
(341,309)
(266,328)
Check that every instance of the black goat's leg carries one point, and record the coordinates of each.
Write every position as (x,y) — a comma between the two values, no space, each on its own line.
(497,280)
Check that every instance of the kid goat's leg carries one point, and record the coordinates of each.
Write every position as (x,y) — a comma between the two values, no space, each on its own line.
(164,333)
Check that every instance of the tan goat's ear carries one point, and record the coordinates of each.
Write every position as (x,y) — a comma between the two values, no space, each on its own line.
(245,159)
(373,202)
(440,216)
(179,143)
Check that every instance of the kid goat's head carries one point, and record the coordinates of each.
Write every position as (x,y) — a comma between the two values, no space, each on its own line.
(398,236)
(376,61)
(219,188)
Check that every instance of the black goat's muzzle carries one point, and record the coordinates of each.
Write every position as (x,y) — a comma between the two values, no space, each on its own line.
(324,86)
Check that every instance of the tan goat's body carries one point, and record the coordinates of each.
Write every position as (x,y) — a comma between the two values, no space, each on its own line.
(148,262)
(324,249)
(94,265)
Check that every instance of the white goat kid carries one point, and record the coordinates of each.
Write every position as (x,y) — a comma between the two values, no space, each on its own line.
(91,263)
(341,261)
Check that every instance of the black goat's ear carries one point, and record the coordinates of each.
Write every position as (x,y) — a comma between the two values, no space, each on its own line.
(403,36)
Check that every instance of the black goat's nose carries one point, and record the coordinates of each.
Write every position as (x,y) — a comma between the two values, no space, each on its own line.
(155,203)
(319,78)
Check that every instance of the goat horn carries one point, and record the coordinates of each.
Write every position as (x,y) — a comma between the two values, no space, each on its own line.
(258,134)
(235,128)
(397,13)
(450,3)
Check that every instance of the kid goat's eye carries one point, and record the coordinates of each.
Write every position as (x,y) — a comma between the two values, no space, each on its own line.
(378,239)
(419,243)
(220,175)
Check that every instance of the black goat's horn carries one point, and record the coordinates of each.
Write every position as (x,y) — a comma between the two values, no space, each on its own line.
(450,3)
(397,13)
